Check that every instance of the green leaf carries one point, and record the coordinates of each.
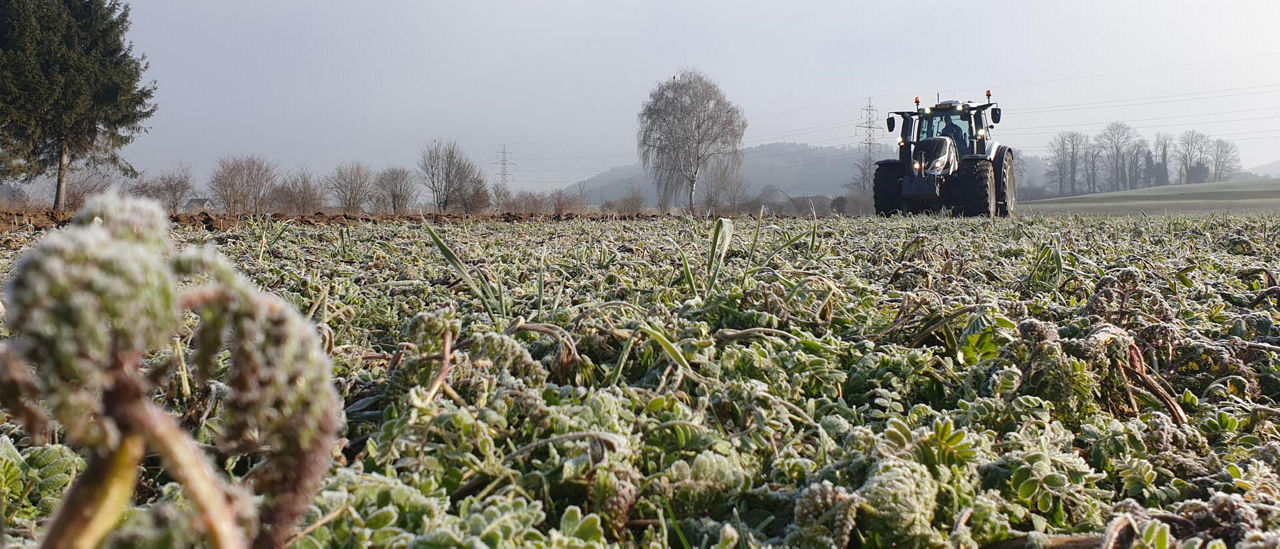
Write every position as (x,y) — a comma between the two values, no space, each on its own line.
(1055,480)
(1045,502)
(1020,476)
(1028,489)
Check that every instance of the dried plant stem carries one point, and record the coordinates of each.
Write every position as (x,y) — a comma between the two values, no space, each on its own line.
(615,442)
(1054,542)
(444,367)
(194,472)
(330,517)
(94,504)
(728,334)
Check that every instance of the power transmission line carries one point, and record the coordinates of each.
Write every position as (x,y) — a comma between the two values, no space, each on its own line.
(1220,93)
(1129,102)
(866,165)
(1126,72)
(506,167)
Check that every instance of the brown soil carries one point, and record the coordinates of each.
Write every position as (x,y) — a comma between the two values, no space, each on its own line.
(15,220)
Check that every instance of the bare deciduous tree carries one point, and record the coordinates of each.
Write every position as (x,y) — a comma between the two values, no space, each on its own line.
(1093,160)
(171,188)
(562,202)
(689,132)
(397,191)
(1192,150)
(1224,159)
(473,198)
(83,184)
(1135,162)
(631,204)
(723,195)
(447,173)
(1066,160)
(530,202)
(298,194)
(240,184)
(1115,141)
(350,186)
(1162,147)
(501,197)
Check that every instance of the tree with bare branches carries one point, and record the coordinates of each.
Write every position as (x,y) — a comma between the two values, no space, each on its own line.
(689,132)
(171,188)
(1115,141)
(1066,160)
(447,173)
(501,197)
(1192,150)
(298,194)
(240,184)
(630,204)
(474,197)
(350,186)
(397,191)
(529,202)
(82,184)
(1162,148)
(1224,159)
(723,195)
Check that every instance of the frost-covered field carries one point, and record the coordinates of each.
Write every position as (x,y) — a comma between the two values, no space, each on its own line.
(919,381)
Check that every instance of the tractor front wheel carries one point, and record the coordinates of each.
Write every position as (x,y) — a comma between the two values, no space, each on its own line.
(887,185)
(972,192)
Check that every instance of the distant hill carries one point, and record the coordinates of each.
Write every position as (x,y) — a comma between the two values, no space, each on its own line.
(1272,169)
(796,169)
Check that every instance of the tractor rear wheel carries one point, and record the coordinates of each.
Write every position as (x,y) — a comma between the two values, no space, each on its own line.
(1006,185)
(972,192)
(888,188)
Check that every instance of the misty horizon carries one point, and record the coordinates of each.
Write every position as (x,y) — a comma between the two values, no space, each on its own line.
(559,85)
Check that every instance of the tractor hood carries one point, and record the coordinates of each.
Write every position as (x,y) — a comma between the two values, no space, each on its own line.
(936,156)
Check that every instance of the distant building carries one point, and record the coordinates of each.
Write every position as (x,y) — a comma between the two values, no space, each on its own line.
(198,205)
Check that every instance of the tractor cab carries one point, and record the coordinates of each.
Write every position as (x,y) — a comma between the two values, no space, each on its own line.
(945,155)
(967,124)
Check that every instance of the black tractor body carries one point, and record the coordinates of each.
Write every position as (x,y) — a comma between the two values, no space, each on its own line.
(947,160)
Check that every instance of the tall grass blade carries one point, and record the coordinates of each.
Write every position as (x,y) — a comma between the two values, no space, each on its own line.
(482,290)
(720,238)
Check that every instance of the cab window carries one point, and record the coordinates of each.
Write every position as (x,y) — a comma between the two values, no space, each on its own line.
(932,127)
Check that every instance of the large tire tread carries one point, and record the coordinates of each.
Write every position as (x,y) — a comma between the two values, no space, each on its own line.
(887,186)
(972,191)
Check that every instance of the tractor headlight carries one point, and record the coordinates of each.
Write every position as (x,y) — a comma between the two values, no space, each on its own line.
(939,163)
(917,165)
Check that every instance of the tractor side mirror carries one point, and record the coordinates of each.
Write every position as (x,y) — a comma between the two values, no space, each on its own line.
(888,122)
(995,115)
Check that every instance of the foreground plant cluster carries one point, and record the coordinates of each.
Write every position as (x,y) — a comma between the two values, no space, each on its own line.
(924,382)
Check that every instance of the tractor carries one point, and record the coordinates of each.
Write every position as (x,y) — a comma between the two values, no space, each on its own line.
(947,160)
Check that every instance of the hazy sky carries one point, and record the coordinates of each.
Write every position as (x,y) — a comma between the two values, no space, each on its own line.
(318,83)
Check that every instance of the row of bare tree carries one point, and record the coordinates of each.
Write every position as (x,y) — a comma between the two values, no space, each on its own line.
(1119,158)
(253,185)
(445,181)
